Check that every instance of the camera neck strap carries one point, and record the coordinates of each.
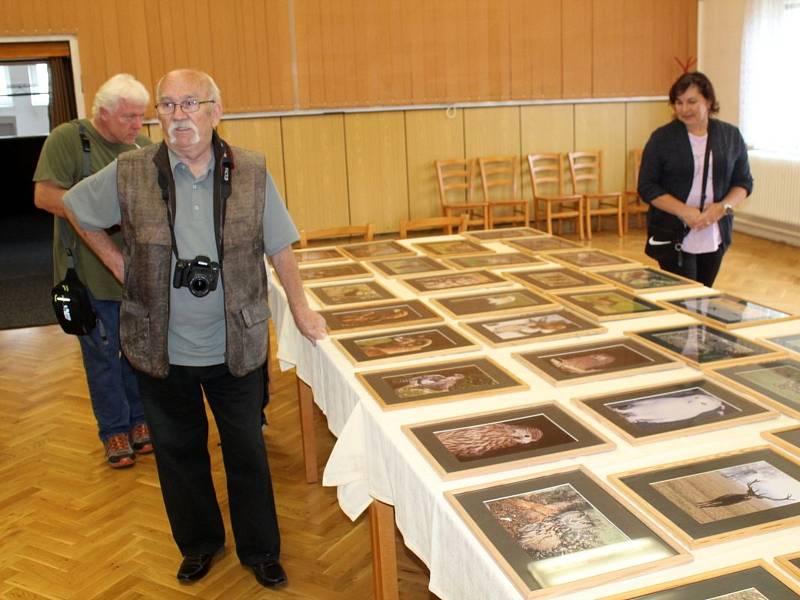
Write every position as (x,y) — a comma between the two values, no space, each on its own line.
(706,164)
(223,177)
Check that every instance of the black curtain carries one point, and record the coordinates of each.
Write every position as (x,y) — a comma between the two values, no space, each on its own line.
(62,91)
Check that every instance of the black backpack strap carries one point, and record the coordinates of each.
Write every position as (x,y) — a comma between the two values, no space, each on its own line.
(67,234)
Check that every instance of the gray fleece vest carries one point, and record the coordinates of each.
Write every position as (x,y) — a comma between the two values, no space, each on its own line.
(147,248)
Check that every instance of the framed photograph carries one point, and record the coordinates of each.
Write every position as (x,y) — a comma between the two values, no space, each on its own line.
(403,267)
(556,280)
(790,562)
(507,233)
(350,270)
(350,293)
(727,310)
(754,580)
(377,348)
(591,258)
(311,256)
(499,302)
(494,261)
(561,531)
(439,382)
(491,441)
(703,345)
(784,342)
(611,304)
(452,247)
(787,438)
(532,327)
(776,382)
(376,250)
(457,280)
(386,315)
(541,244)
(645,279)
(567,365)
(681,408)
(722,497)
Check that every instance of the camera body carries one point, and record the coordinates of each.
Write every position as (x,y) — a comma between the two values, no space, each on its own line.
(200,275)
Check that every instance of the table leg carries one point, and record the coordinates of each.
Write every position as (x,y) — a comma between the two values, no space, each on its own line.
(384,556)
(306,401)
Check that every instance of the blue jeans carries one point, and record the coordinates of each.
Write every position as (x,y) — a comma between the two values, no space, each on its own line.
(112,382)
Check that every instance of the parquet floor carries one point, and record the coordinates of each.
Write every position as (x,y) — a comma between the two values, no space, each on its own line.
(72,528)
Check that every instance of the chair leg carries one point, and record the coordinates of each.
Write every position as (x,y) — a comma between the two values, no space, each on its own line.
(620,224)
(588,208)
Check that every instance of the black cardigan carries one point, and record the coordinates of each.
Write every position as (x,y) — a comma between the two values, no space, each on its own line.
(668,168)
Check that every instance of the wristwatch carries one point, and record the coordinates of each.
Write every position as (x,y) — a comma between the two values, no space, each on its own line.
(728,208)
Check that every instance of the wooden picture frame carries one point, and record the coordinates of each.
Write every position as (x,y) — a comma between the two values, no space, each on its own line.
(523,328)
(580,514)
(381,315)
(488,442)
(380,250)
(506,233)
(727,311)
(321,273)
(730,583)
(773,381)
(679,408)
(542,245)
(702,345)
(356,292)
(590,259)
(638,280)
(783,343)
(790,562)
(715,499)
(500,260)
(437,339)
(452,247)
(787,438)
(556,280)
(453,280)
(499,302)
(611,304)
(595,361)
(435,382)
(312,256)
(407,267)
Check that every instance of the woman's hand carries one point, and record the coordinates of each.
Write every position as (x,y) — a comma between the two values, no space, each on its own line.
(710,215)
(692,216)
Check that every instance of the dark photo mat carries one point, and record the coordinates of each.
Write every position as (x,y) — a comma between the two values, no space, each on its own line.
(776,382)
(591,258)
(500,260)
(356,292)
(445,282)
(310,256)
(787,438)
(452,247)
(727,310)
(493,441)
(506,233)
(784,342)
(556,280)
(380,250)
(696,472)
(541,244)
(645,279)
(498,302)
(533,326)
(408,266)
(650,413)
(611,304)
(350,270)
(381,315)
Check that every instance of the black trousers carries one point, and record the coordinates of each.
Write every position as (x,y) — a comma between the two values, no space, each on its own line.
(700,267)
(176,415)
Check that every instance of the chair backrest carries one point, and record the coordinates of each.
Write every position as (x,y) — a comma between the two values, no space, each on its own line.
(364,231)
(456,179)
(586,168)
(446,224)
(547,174)
(500,177)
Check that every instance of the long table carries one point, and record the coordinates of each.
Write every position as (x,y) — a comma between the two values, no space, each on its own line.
(374,465)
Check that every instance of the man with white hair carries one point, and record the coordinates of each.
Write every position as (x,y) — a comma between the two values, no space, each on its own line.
(71,152)
(197,218)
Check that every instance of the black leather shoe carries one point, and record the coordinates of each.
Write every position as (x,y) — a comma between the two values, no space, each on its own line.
(269,574)
(194,567)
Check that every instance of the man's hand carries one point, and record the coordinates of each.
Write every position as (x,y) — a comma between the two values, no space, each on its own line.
(311,324)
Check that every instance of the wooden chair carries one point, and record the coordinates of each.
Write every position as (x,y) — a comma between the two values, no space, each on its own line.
(634,205)
(547,173)
(446,224)
(501,188)
(456,179)
(367,232)
(586,170)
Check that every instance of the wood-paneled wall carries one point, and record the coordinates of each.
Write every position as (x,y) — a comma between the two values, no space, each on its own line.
(377,167)
(294,54)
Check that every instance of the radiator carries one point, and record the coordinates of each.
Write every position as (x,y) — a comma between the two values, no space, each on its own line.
(773,209)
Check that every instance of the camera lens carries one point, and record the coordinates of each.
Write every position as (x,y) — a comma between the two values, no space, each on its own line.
(198,286)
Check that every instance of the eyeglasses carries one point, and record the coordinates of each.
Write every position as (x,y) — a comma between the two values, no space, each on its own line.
(188,106)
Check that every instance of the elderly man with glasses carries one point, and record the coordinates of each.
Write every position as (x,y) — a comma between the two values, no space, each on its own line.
(197,217)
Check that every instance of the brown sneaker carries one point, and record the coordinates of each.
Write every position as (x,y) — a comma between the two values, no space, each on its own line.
(119,453)
(140,439)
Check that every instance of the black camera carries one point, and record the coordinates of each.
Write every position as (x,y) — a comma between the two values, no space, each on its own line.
(200,275)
